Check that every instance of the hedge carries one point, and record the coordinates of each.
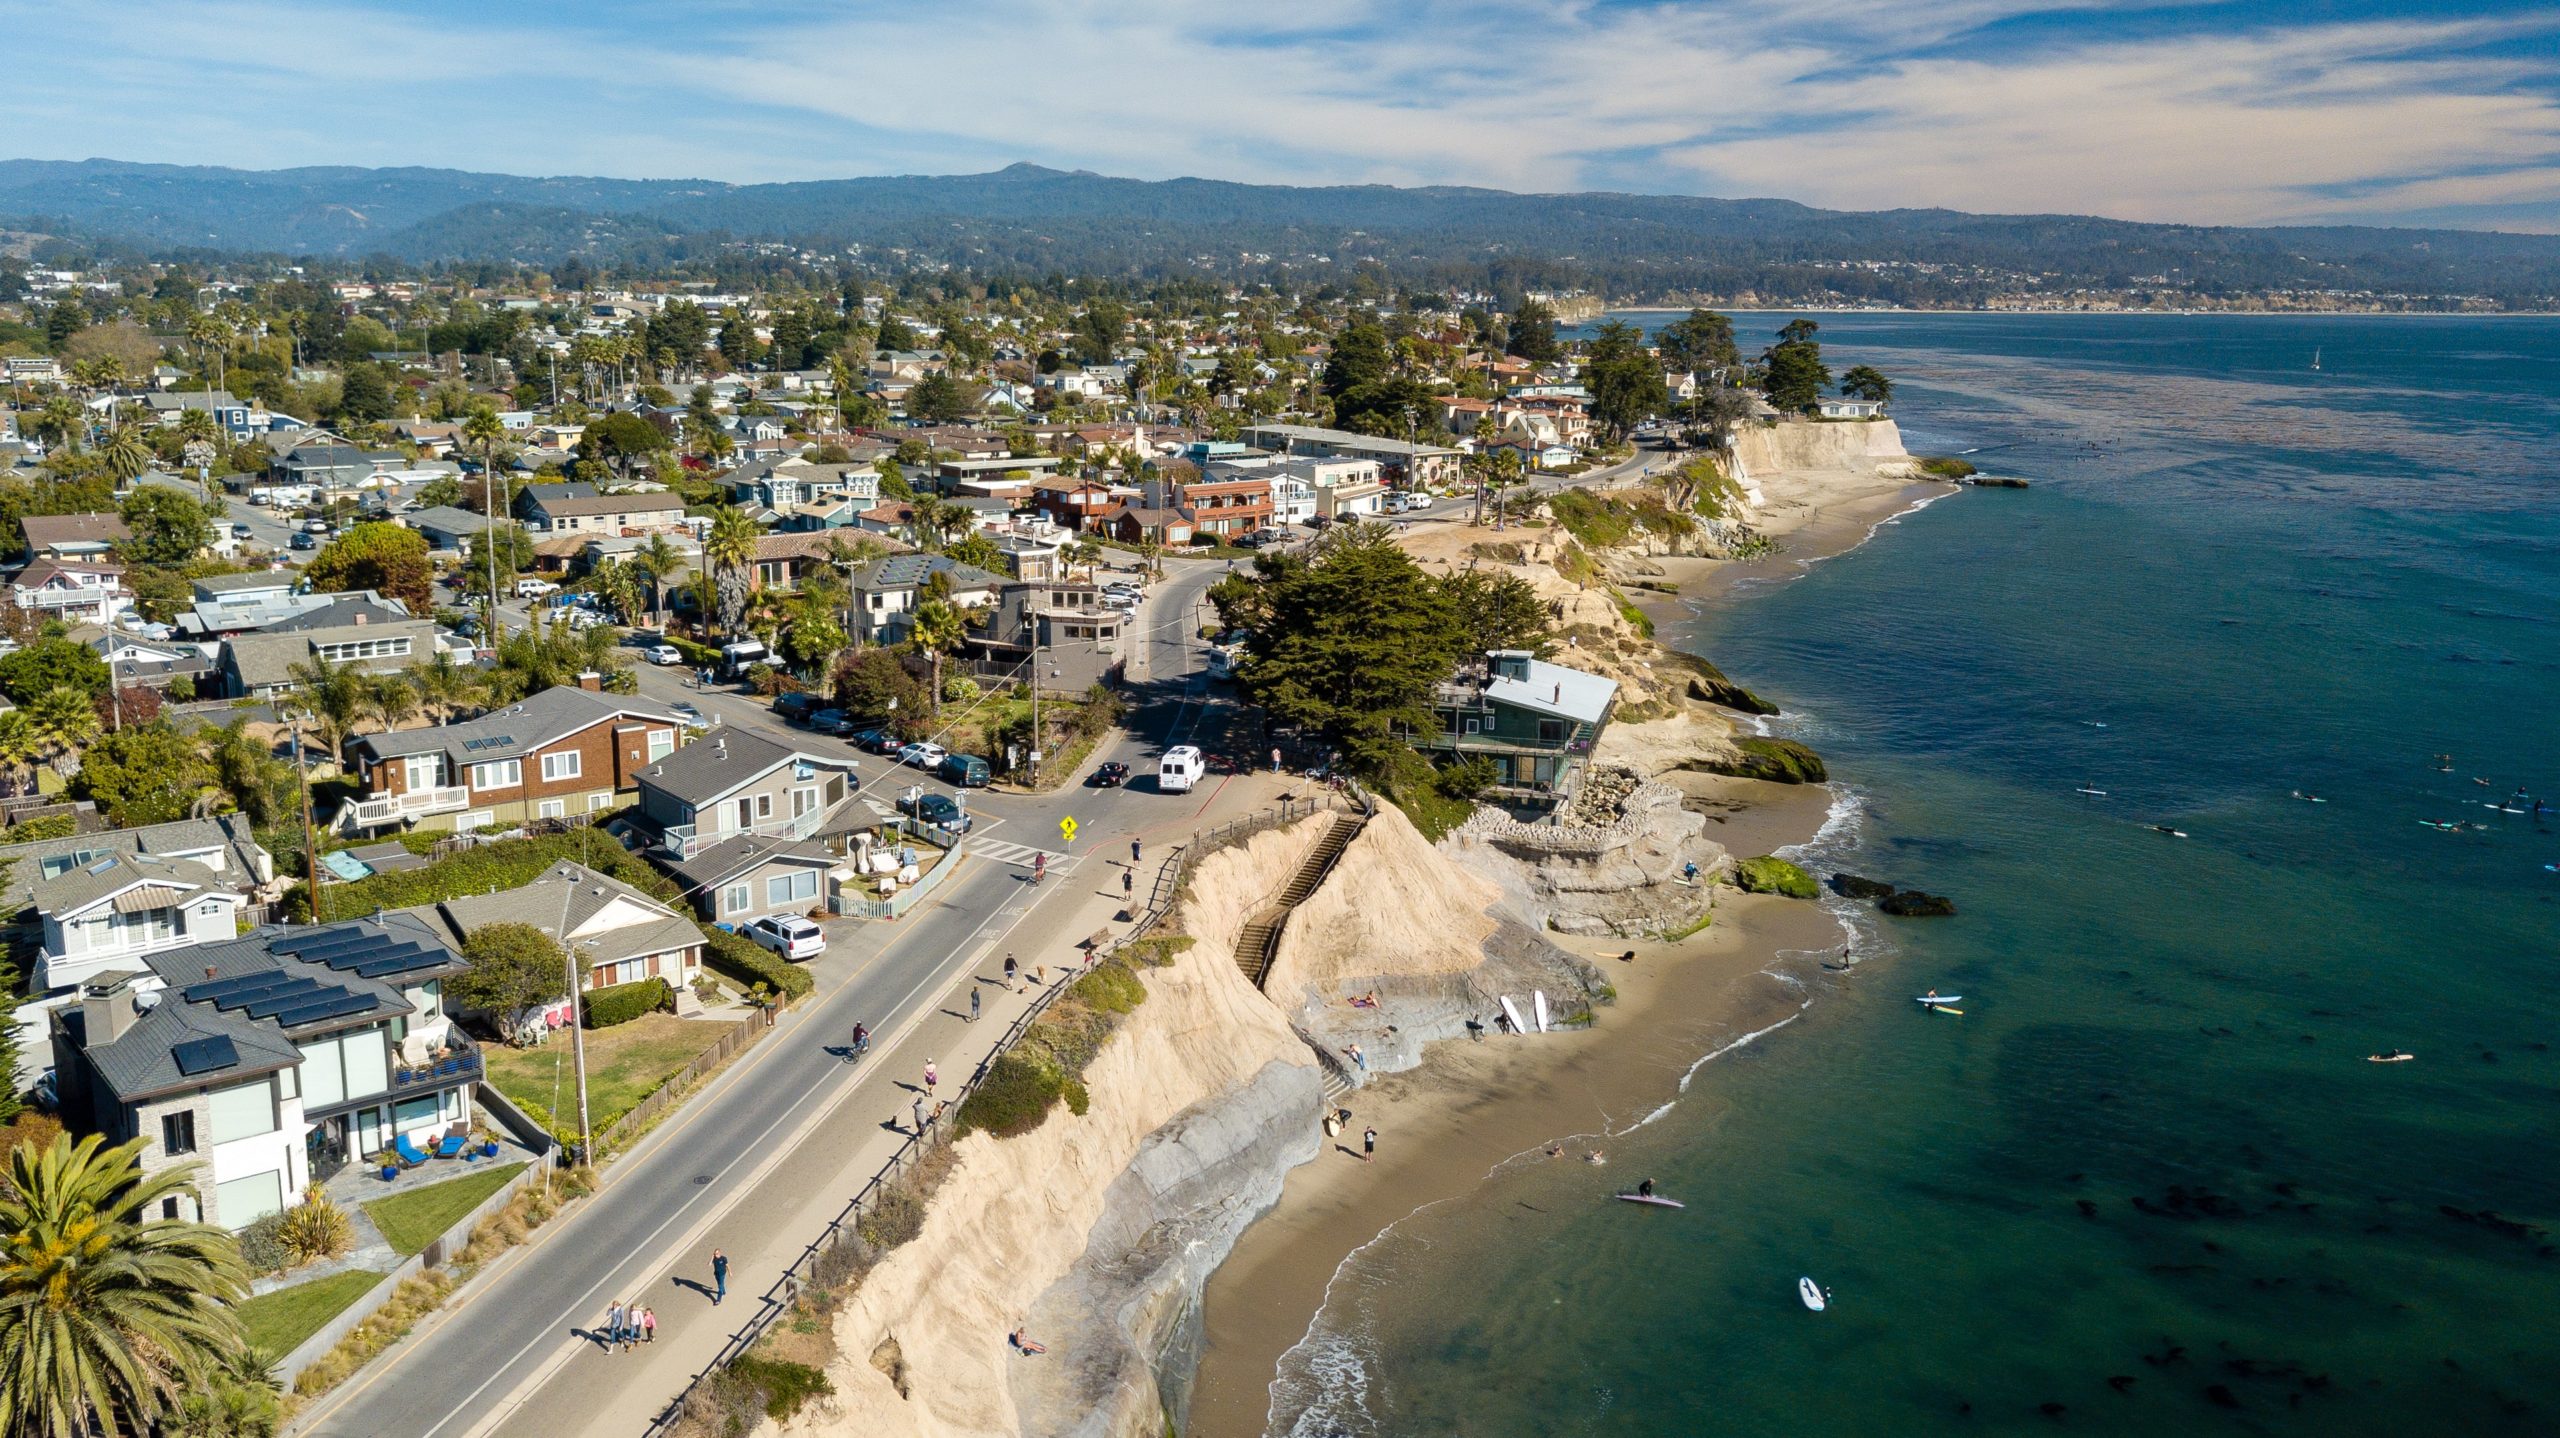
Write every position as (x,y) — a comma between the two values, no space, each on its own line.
(1049,1061)
(489,868)
(694,653)
(621,1003)
(752,964)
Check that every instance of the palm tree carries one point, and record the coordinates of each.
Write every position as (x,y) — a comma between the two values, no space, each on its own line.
(20,746)
(444,684)
(107,1318)
(127,453)
(61,422)
(246,769)
(660,558)
(614,582)
(390,699)
(483,431)
(63,719)
(728,553)
(335,695)
(938,629)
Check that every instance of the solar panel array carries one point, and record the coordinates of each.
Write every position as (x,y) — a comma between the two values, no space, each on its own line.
(292,1000)
(199,1056)
(363,950)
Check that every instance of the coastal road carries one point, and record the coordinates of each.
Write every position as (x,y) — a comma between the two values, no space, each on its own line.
(767,1142)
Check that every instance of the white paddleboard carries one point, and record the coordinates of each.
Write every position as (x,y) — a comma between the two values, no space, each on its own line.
(1655,1199)
(1811,1293)
(1511,1011)
(1539,998)
(1928,1001)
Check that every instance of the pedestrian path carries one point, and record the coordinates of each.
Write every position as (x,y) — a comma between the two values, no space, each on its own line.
(1021,855)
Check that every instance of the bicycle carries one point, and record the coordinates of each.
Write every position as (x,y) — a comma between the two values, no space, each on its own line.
(860,1045)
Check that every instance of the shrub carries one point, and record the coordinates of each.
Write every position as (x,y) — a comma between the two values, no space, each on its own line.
(742,960)
(262,1245)
(507,864)
(960,689)
(786,1384)
(315,1229)
(1466,778)
(1014,1097)
(621,1003)
(1770,874)
(1157,951)
(1946,466)
(896,1217)
(1110,988)
(43,826)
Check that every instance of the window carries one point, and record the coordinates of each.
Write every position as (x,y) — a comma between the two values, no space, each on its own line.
(426,771)
(764,806)
(662,742)
(243,1201)
(244,1111)
(560,766)
(803,802)
(477,818)
(598,801)
(178,1133)
(416,1113)
(1551,731)
(498,774)
(737,901)
(782,889)
(552,809)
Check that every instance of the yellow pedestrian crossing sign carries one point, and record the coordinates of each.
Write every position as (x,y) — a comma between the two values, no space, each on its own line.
(1067,827)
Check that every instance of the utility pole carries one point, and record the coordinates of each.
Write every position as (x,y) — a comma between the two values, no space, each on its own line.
(310,841)
(577,1017)
(489,536)
(1035,700)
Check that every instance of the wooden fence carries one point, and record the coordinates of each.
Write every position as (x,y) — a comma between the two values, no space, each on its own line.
(666,1095)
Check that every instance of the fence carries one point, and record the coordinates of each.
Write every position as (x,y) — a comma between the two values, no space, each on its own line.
(897,905)
(777,1300)
(742,1033)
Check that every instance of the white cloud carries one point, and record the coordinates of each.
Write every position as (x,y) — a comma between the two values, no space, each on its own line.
(1850,103)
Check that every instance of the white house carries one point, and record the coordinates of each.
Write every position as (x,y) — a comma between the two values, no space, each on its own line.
(121,908)
(72,590)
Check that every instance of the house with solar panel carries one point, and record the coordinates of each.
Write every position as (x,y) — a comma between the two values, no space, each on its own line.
(270,1060)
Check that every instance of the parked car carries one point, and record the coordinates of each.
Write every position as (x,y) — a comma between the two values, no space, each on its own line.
(302,540)
(967,771)
(831,721)
(880,741)
(922,756)
(796,708)
(789,935)
(1417,499)
(689,715)
(663,654)
(316,526)
(939,810)
(240,531)
(531,588)
(1109,776)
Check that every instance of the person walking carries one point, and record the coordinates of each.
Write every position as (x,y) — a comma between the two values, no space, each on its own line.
(1359,1058)
(613,1326)
(1128,883)
(1133,851)
(1010,969)
(648,1325)
(973,1004)
(1368,1145)
(919,1116)
(630,1326)
(719,1277)
(931,1077)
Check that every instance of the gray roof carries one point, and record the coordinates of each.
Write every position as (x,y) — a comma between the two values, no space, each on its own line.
(82,887)
(577,894)
(449,519)
(142,1064)
(1554,689)
(519,728)
(567,489)
(736,856)
(722,760)
(262,660)
(236,583)
(362,607)
(229,834)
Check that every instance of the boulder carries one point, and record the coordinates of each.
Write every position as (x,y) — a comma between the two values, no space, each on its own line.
(1850,886)
(1913,904)
(1770,874)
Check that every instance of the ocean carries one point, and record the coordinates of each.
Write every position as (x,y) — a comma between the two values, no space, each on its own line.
(2147,1182)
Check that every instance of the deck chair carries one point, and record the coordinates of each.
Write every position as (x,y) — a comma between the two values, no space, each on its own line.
(410,1156)
(452,1145)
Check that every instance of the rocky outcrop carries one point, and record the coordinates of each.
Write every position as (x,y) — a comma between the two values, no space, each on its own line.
(1780,761)
(1901,903)
(1865,891)
(1624,877)
(1769,874)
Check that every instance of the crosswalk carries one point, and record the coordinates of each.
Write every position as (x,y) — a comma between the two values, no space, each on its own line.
(1020,854)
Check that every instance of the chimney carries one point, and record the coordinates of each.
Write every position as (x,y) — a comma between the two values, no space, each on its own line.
(720,747)
(106,1008)
(361,617)
(591,681)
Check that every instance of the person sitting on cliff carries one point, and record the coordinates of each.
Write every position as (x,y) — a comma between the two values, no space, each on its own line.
(1368,1000)
(1022,1342)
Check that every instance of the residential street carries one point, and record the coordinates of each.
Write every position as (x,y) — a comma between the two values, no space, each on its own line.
(767,1153)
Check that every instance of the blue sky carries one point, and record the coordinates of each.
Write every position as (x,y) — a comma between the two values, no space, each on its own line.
(2238,112)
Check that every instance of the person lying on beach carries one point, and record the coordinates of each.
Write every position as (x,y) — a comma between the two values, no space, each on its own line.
(1023,1342)
(1368,1000)
(1628,957)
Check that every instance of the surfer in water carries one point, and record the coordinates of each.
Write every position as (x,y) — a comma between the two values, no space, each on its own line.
(1645,1189)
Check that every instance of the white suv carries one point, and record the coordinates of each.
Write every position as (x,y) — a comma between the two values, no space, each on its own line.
(789,935)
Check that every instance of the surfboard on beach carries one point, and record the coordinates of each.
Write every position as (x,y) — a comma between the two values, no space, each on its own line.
(1539,998)
(1511,1011)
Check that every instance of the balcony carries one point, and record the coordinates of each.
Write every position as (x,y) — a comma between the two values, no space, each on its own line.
(683,841)
(461,1064)
(393,808)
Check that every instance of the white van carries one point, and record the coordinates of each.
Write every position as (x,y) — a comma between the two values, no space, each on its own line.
(1180,769)
(736,659)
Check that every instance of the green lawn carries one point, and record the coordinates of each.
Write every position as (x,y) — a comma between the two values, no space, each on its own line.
(419,1217)
(279,1321)
(625,1064)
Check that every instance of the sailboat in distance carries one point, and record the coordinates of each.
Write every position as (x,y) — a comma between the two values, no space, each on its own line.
(2315,356)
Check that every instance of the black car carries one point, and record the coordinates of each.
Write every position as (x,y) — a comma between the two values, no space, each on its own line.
(302,540)
(938,810)
(796,708)
(831,721)
(879,741)
(1109,776)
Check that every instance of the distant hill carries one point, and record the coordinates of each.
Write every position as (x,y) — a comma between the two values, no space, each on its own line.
(1026,218)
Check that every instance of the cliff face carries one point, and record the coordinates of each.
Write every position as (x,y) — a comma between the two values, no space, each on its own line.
(1619,877)
(1400,919)
(1790,444)
(1096,1230)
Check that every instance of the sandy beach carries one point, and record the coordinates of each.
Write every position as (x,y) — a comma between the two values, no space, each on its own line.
(1474,1111)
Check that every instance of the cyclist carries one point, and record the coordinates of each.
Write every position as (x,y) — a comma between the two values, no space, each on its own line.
(1039,867)
(861,1040)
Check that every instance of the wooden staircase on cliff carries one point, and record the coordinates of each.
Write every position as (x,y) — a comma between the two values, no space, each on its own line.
(1259,941)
